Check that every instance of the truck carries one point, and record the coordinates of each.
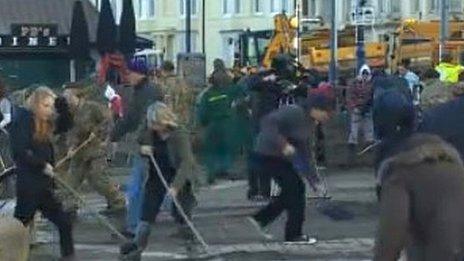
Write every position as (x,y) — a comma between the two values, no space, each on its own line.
(419,42)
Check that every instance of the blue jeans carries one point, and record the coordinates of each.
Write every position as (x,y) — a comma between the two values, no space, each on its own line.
(135,193)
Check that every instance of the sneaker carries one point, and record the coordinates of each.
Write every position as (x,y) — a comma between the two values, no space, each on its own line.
(260,228)
(129,252)
(301,240)
(319,188)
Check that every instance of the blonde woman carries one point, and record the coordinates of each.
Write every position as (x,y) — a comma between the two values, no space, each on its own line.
(32,152)
(169,144)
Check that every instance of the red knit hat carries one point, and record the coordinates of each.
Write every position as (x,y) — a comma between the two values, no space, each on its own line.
(323,97)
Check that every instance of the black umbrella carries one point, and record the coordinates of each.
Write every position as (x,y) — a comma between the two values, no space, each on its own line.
(127,36)
(79,47)
(107,31)
(79,44)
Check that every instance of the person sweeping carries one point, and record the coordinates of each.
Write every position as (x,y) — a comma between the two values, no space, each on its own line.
(33,154)
(167,142)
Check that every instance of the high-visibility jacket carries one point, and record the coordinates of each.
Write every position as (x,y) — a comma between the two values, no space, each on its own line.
(449,73)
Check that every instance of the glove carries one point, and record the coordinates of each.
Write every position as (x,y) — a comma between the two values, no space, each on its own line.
(116,106)
(288,150)
(48,170)
(146,150)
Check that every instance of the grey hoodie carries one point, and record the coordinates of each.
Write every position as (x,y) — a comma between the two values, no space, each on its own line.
(287,124)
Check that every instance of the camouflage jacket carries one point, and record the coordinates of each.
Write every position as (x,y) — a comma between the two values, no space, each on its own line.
(179,97)
(90,117)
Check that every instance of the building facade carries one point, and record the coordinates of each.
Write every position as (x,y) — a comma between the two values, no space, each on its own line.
(163,21)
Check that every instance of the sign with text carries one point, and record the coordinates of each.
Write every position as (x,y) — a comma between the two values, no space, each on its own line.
(8,41)
(34,30)
(192,67)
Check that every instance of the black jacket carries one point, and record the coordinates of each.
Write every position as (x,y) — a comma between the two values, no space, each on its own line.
(446,121)
(29,155)
(143,96)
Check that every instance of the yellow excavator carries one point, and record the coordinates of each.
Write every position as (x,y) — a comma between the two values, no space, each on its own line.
(258,48)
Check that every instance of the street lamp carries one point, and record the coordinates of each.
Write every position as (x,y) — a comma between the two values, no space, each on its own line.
(188,26)
(360,52)
(333,44)
(444,8)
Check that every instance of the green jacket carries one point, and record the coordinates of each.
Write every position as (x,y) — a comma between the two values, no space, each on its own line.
(215,103)
(180,155)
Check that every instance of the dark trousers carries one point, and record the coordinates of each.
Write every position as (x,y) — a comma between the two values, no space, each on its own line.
(155,192)
(187,201)
(259,182)
(291,199)
(30,199)
(320,145)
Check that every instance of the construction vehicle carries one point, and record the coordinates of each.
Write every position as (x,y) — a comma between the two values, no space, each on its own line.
(418,42)
(315,52)
(257,48)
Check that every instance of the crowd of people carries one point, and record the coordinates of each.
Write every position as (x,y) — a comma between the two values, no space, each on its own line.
(269,117)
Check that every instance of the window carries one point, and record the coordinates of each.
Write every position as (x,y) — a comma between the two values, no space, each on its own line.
(286,6)
(194,7)
(237,6)
(312,8)
(225,7)
(278,6)
(326,10)
(455,6)
(415,6)
(395,6)
(138,9)
(381,6)
(183,7)
(258,6)
(151,8)
(348,9)
(433,6)
(231,6)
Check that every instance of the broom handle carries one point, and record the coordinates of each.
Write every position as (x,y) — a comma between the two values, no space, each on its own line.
(178,205)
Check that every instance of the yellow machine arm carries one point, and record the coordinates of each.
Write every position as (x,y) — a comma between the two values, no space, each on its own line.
(281,41)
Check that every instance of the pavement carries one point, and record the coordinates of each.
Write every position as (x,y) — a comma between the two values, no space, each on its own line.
(221,220)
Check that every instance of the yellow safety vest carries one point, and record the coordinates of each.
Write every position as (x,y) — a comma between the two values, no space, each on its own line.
(449,73)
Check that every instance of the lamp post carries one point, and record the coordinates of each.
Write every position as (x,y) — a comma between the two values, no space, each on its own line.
(188,26)
(360,52)
(333,44)
(444,32)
